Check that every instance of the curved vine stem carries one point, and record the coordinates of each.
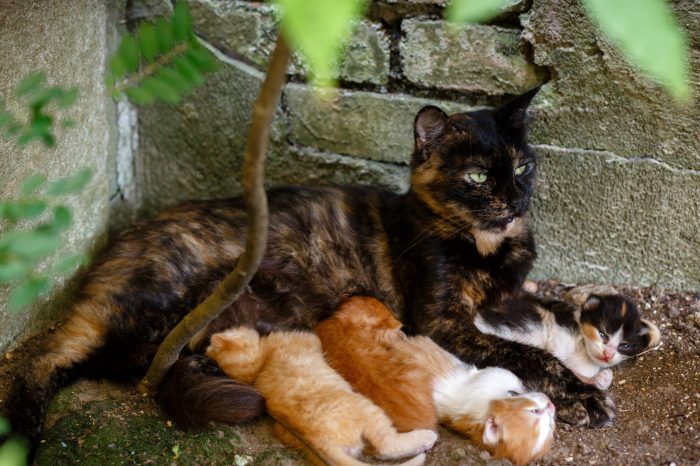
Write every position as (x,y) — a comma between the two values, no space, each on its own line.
(256,207)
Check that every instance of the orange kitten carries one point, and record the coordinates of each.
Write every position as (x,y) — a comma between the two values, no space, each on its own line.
(363,342)
(304,394)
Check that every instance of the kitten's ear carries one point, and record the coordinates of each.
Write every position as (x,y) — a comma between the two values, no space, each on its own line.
(592,303)
(490,432)
(513,114)
(650,329)
(430,124)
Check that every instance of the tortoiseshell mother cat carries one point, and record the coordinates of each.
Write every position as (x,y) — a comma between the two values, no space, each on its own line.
(456,241)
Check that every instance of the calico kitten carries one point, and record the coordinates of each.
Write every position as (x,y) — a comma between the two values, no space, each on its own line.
(456,242)
(604,331)
(304,394)
(416,383)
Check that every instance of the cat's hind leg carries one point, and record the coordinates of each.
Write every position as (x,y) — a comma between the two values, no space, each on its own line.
(238,352)
(390,444)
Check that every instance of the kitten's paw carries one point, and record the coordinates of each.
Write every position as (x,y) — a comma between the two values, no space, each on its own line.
(603,379)
(594,409)
(426,439)
(572,413)
(601,410)
(415,461)
(408,444)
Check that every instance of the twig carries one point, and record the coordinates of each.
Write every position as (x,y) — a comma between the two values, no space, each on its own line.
(151,68)
(256,207)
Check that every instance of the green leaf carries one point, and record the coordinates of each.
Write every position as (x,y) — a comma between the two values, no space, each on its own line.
(117,66)
(31,184)
(139,96)
(148,41)
(61,217)
(22,209)
(188,71)
(11,271)
(165,35)
(28,292)
(129,52)
(319,28)
(202,59)
(161,90)
(44,96)
(71,184)
(175,79)
(13,453)
(68,263)
(30,84)
(4,426)
(68,97)
(649,36)
(34,244)
(474,11)
(181,22)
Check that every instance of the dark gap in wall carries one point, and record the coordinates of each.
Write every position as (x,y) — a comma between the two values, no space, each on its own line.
(392,13)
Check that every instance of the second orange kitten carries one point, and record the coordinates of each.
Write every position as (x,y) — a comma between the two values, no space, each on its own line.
(416,382)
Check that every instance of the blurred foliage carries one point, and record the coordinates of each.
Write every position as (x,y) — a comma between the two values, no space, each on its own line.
(12,452)
(649,35)
(162,61)
(646,32)
(40,102)
(35,221)
(319,29)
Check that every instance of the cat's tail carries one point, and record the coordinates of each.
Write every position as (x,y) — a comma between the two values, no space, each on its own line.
(195,391)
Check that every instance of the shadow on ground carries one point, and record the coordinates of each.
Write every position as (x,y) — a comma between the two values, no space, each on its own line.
(658,397)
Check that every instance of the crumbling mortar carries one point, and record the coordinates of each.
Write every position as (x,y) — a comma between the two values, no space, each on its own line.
(614,158)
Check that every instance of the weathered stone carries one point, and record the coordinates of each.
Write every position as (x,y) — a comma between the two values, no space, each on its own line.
(68,40)
(362,124)
(308,166)
(477,58)
(195,150)
(244,29)
(603,218)
(598,101)
(248,30)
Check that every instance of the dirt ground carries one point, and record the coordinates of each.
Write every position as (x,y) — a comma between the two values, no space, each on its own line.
(657,395)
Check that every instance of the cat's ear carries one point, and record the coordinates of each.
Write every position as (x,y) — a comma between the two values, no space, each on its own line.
(592,303)
(513,115)
(490,432)
(653,332)
(429,125)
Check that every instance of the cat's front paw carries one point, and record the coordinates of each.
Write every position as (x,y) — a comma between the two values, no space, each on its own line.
(592,408)
(603,379)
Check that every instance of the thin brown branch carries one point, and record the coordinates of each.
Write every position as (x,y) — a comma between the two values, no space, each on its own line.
(256,207)
(150,69)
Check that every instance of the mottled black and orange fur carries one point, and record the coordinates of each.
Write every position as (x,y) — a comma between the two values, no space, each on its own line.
(434,254)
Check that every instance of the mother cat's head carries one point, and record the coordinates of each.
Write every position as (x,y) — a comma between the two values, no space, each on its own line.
(475,168)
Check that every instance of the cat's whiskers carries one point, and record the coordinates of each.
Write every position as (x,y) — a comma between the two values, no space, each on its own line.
(423,235)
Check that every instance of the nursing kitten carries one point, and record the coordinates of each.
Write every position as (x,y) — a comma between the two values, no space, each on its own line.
(304,394)
(458,240)
(418,383)
(600,333)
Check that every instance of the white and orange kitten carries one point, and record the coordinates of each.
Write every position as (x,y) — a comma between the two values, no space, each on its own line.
(362,340)
(317,411)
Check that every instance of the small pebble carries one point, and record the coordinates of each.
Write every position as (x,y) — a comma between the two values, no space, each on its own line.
(484,455)
(460,453)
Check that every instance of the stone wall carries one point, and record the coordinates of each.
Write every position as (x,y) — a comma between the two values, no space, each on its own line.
(69,41)
(619,179)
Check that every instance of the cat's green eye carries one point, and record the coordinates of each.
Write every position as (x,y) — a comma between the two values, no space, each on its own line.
(478,177)
(521,169)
